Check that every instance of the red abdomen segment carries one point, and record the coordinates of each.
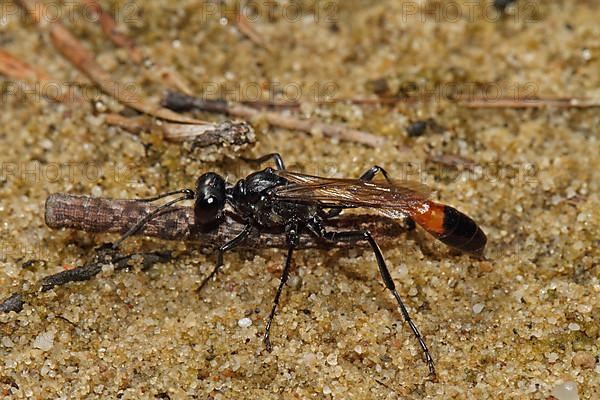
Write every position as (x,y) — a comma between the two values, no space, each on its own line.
(451,227)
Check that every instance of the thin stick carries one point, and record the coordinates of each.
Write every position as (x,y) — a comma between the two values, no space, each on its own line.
(475,102)
(16,69)
(102,215)
(246,28)
(541,102)
(181,102)
(379,101)
(112,31)
(135,125)
(85,272)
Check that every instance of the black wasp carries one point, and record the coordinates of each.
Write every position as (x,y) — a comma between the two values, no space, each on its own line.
(295,203)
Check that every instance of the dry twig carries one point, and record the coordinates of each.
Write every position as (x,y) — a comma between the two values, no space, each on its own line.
(111,30)
(181,102)
(135,125)
(538,102)
(16,69)
(247,29)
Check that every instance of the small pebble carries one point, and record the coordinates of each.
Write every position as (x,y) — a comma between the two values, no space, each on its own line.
(44,341)
(586,54)
(486,266)
(245,322)
(100,107)
(94,120)
(6,342)
(417,128)
(574,327)
(44,371)
(46,144)
(552,357)
(566,391)
(584,308)
(584,360)
(295,282)
(477,308)
(332,359)
(97,191)
(309,358)
(98,389)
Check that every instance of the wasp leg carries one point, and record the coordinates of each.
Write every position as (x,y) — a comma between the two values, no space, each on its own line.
(280,166)
(371,172)
(188,192)
(236,241)
(293,237)
(355,236)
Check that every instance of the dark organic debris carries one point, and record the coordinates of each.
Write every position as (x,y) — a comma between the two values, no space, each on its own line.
(16,301)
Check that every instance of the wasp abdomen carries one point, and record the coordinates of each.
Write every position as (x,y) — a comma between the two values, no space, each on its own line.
(452,227)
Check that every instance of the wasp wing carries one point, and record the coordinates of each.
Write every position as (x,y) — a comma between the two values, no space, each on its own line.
(395,199)
(392,198)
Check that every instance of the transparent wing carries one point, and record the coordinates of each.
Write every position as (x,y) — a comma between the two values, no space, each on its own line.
(390,197)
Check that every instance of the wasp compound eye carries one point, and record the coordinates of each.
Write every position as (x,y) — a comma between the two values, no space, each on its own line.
(210,198)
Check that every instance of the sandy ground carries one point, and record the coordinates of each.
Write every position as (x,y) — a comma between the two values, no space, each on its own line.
(524,325)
